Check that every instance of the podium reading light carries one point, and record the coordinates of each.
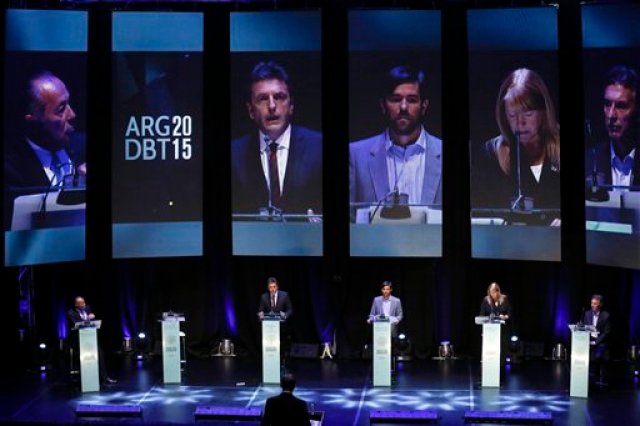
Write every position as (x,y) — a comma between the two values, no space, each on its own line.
(42,356)
(515,350)
(445,350)
(141,346)
(402,347)
(559,352)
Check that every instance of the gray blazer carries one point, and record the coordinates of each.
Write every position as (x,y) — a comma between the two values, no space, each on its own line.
(395,312)
(368,176)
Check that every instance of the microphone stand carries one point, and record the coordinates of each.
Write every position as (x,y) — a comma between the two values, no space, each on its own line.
(521,203)
(594,192)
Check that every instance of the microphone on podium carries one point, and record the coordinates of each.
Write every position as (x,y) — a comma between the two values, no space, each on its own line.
(398,209)
(593,192)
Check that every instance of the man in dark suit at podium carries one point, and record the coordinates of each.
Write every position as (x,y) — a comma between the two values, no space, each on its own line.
(600,320)
(79,313)
(277,164)
(285,409)
(275,301)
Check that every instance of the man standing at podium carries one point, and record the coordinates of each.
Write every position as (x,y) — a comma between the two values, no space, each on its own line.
(388,306)
(600,320)
(277,302)
(83,312)
(404,158)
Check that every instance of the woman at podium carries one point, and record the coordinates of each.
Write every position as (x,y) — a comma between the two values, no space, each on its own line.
(496,306)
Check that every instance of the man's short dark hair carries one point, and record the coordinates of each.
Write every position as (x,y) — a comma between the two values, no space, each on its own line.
(624,76)
(403,74)
(385,284)
(269,70)
(272,280)
(288,382)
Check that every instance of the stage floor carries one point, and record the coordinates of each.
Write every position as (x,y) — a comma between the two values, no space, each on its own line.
(340,388)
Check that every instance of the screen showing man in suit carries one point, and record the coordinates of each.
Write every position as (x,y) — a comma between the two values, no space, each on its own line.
(44,136)
(276,140)
(404,161)
(612,133)
(277,166)
(395,152)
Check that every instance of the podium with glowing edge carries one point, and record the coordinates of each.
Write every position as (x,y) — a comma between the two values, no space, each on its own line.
(171,367)
(491,330)
(579,382)
(381,351)
(271,350)
(89,359)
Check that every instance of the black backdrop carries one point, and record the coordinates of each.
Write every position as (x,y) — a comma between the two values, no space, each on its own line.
(219,292)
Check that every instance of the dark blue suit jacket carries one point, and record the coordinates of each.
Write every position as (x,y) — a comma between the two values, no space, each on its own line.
(24,174)
(283,303)
(603,325)
(285,409)
(303,176)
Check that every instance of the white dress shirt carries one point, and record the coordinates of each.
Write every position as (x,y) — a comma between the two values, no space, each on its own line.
(283,143)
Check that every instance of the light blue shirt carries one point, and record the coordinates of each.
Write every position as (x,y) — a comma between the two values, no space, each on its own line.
(405,166)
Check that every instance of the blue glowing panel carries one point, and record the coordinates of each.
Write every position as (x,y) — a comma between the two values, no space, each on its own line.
(276,200)
(611,52)
(157,134)
(275,31)
(45,155)
(395,194)
(513,83)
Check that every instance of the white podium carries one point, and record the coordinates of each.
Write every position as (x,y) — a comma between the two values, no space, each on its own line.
(491,343)
(171,367)
(381,351)
(89,356)
(579,381)
(271,349)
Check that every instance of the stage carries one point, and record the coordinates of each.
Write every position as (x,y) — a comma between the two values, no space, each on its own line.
(341,389)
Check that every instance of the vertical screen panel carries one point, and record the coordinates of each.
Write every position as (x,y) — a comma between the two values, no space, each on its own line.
(611,42)
(395,150)
(157,134)
(44,139)
(515,134)
(276,93)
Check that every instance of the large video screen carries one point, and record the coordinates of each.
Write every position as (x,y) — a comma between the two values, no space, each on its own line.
(276,146)
(515,133)
(45,165)
(157,134)
(395,146)
(611,41)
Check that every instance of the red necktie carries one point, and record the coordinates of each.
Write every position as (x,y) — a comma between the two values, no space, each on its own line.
(274,178)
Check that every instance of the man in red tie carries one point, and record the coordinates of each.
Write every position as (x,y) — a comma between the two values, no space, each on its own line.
(275,301)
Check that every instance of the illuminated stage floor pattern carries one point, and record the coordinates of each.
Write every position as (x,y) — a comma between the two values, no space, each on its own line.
(340,388)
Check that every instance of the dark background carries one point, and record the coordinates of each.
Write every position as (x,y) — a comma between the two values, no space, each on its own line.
(141,188)
(219,293)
